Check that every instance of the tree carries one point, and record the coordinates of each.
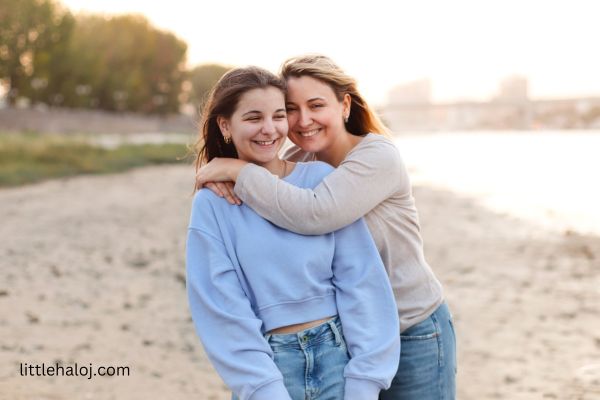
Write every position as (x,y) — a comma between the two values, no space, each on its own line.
(202,79)
(122,63)
(30,31)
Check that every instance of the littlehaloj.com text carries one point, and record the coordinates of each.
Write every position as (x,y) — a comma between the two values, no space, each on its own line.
(79,370)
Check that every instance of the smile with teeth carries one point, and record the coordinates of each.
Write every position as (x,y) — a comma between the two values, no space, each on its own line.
(264,143)
(310,133)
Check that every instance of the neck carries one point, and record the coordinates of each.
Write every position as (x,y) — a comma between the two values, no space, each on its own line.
(339,149)
(276,166)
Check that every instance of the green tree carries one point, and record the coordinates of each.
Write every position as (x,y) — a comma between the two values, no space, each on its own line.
(202,79)
(30,31)
(123,63)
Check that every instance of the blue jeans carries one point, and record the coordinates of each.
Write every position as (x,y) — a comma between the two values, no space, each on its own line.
(427,367)
(312,361)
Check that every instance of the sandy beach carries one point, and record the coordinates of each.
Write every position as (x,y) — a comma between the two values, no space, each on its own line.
(92,270)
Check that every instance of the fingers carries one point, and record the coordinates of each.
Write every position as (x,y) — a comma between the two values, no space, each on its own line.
(215,188)
(227,189)
(230,185)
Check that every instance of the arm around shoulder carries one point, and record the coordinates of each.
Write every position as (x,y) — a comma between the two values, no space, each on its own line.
(367,177)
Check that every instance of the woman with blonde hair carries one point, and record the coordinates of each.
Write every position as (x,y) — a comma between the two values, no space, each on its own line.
(330,121)
(281,315)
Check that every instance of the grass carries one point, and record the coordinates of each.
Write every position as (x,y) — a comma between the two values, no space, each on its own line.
(31,157)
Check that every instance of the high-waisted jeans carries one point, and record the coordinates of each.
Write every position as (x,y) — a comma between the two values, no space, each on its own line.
(312,361)
(427,367)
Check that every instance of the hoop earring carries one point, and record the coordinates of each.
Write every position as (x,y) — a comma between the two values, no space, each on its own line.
(227,139)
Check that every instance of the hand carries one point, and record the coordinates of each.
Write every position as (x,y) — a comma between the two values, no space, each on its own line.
(224,189)
(219,170)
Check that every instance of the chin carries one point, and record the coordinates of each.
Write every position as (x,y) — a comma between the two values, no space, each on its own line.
(309,146)
(263,159)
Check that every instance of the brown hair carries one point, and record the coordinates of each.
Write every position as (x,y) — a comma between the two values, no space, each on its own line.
(362,118)
(222,101)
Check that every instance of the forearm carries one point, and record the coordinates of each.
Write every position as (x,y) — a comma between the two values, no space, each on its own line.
(219,170)
(329,206)
(360,183)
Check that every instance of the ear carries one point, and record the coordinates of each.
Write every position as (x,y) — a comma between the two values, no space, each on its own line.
(346,103)
(223,125)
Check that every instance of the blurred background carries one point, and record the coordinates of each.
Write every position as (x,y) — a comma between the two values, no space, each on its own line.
(495,107)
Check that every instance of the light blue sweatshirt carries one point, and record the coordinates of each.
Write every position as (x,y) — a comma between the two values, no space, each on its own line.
(246,276)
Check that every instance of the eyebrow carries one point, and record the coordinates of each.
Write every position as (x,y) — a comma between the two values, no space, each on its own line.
(251,112)
(308,101)
(258,112)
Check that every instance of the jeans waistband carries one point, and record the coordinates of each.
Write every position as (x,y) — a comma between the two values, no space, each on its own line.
(330,329)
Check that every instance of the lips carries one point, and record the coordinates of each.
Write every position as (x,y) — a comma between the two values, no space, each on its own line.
(265,143)
(310,133)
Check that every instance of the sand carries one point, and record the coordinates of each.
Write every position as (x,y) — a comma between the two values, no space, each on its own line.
(92,270)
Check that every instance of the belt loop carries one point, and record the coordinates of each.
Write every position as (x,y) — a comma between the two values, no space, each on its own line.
(336,332)
(268,337)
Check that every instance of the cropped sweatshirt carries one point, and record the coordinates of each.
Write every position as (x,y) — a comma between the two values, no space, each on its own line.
(246,276)
(371,182)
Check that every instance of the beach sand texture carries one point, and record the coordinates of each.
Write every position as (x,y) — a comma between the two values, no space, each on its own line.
(92,270)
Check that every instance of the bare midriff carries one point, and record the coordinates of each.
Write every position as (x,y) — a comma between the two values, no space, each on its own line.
(299,327)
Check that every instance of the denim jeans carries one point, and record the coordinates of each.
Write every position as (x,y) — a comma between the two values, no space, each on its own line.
(312,361)
(427,367)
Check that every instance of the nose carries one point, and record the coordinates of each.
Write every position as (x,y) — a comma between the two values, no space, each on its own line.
(305,119)
(268,126)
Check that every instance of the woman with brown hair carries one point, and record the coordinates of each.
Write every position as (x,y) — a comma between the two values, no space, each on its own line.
(282,315)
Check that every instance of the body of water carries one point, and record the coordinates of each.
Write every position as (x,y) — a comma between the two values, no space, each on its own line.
(551,178)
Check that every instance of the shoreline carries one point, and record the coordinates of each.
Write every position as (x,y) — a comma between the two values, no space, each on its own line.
(92,270)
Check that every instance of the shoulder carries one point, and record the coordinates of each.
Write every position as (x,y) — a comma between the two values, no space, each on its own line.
(205,206)
(310,174)
(376,151)
(317,169)
(295,153)
(205,198)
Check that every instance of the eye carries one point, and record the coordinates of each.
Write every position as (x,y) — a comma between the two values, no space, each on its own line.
(289,108)
(280,116)
(317,105)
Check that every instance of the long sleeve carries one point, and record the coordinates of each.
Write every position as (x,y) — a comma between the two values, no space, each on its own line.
(371,173)
(368,313)
(224,319)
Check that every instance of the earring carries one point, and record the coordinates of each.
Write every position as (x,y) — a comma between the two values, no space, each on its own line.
(346,118)
(227,139)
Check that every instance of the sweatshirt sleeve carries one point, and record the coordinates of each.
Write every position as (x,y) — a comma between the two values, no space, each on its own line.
(369,175)
(368,313)
(225,322)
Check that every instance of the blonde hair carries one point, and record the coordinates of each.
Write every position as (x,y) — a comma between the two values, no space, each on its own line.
(363,118)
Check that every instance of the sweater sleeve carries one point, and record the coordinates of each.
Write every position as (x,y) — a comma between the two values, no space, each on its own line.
(369,175)
(367,311)
(225,322)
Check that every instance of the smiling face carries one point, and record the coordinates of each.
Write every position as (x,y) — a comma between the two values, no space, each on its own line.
(258,127)
(315,115)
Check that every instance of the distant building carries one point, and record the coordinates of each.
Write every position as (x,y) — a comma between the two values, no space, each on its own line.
(410,108)
(416,92)
(513,89)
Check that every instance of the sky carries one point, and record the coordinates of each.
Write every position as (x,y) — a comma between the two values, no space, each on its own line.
(464,47)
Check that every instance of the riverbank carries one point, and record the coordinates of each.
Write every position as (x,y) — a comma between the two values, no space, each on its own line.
(92,270)
(32,157)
